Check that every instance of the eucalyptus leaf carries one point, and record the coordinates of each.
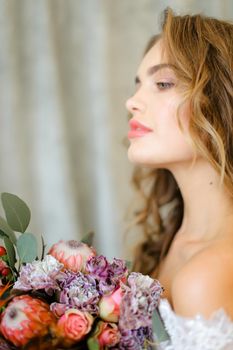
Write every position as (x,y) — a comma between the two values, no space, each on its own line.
(7,230)
(10,252)
(88,239)
(159,328)
(27,247)
(17,213)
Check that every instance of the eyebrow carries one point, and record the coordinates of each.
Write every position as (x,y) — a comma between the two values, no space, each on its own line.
(154,69)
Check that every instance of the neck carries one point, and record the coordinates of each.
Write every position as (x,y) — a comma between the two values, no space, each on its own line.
(208,207)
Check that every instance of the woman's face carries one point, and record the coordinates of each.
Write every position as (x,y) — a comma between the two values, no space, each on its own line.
(155,137)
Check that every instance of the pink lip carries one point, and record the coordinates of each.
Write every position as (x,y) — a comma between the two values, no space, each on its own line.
(137,129)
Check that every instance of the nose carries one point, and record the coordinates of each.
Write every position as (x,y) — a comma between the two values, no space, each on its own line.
(134,105)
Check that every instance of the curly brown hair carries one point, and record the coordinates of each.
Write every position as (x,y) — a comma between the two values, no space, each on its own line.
(201,50)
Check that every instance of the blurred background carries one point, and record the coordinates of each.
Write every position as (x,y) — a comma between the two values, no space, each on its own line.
(66,69)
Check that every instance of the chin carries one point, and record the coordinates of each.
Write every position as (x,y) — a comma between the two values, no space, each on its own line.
(162,159)
(145,155)
(143,160)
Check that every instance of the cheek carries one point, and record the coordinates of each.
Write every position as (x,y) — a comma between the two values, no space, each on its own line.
(164,108)
(168,143)
(172,123)
(176,131)
(185,117)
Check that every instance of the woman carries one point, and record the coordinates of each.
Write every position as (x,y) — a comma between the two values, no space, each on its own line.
(181,131)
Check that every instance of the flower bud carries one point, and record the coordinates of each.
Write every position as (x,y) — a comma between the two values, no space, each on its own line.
(109,306)
(6,271)
(3,265)
(2,250)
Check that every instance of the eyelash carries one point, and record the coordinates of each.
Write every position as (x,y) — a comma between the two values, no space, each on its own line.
(162,83)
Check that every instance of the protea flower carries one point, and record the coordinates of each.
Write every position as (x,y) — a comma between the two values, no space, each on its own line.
(72,254)
(25,318)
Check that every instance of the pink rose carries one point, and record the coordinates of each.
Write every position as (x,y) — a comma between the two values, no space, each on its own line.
(109,335)
(73,326)
(109,306)
(105,335)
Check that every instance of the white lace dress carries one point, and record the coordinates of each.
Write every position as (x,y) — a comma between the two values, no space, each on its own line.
(196,333)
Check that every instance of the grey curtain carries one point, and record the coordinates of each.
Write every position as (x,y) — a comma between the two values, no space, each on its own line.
(66,69)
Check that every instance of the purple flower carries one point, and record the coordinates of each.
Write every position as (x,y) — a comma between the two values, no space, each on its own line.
(108,285)
(78,291)
(118,268)
(58,309)
(144,336)
(140,299)
(108,275)
(135,339)
(40,275)
(129,341)
(98,266)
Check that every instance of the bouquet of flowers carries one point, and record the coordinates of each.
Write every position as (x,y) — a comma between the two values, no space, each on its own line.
(70,298)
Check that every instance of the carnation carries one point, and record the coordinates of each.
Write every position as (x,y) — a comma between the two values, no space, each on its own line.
(79,291)
(40,275)
(107,274)
(135,339)
(139,301)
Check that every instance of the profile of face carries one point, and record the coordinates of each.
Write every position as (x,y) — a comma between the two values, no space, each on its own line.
(156,139)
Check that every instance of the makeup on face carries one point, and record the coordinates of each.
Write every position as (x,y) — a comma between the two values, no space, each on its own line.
(137,129)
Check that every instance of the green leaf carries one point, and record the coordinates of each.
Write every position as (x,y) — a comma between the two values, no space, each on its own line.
(18,214)
(158,327)
(2,234)
(7,230)
(93,344)
(27,247)
(10,252)
(129,265)
(43,248)
(88,239)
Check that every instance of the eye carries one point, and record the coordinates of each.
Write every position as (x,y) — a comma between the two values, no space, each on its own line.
(163,85)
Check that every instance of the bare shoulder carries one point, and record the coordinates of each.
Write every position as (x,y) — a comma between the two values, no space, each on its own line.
(205,283)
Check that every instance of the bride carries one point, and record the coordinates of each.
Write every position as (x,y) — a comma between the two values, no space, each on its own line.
(181,138)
